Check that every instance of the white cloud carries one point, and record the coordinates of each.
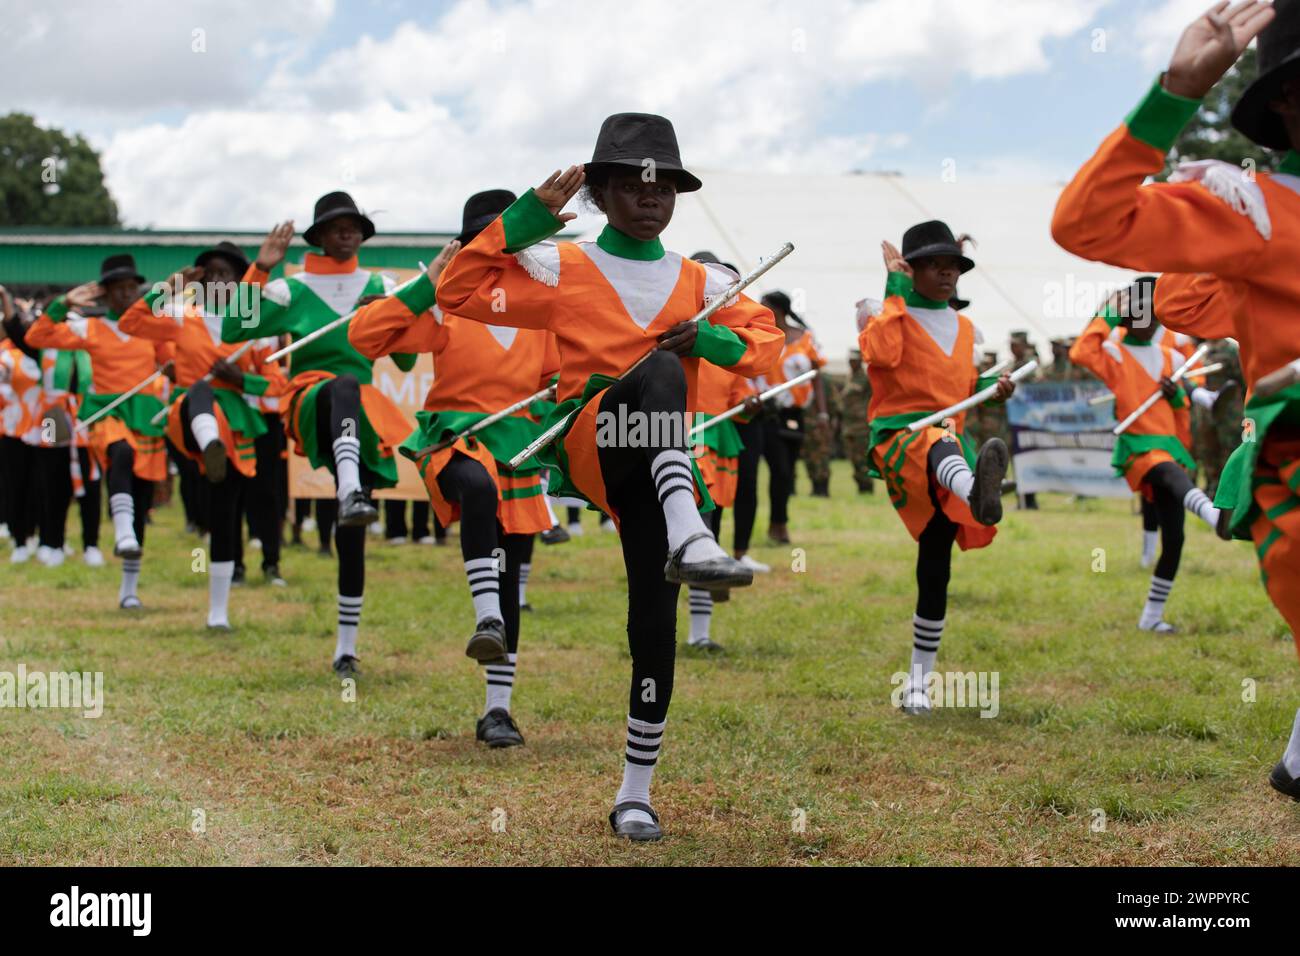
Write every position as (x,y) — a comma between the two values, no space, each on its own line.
(499,93)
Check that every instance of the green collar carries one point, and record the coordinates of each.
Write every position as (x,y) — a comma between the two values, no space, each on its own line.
(918,301)
(1291,164)
(625,247)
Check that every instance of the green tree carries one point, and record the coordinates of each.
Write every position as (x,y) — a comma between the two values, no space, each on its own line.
(1211,135)
(49,179)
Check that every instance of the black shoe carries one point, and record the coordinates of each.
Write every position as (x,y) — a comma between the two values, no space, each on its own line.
(526,608)
(346,666)
(128,551)
(707,645)
(488,642)
(358,511)
(1283,782)
(214,461)
(714,574)
(555,535)
(271,575)
(986,491)
(238,576)
(636,831)
(497,728)
(720,596)
(1224,526)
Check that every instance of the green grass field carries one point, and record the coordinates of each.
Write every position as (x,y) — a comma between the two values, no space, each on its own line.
(793,726)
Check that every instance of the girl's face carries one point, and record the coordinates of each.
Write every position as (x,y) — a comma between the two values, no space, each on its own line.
(120,293)
(341,238)
(935,277)
(638,208)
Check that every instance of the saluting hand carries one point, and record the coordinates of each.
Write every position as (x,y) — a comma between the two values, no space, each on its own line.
(894,261)
(1212,43)
(275,246)
(84,296)
(558,189)
(441,259)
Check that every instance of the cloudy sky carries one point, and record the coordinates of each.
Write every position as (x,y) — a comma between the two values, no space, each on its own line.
(237,113)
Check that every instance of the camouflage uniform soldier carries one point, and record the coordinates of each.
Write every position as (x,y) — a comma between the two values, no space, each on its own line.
(1061,369)
(1023,353)
(818,443)
(855,429)
(1216,432)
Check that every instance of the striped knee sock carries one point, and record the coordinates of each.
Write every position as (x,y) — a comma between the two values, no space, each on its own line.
(127,591)
(955,475)
(925,643)
(524,571)
(349,622)
(220,574)
(500,683)
(484,588)
(643,740)
(122,507)
(205,430)
(1154,612)
(701,604)
(347,465)
(671,471)
(1198,503)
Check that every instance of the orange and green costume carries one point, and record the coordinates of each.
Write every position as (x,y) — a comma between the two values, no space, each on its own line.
(1236,241)
(478,370)
(718,447)
(921,356)
(606,302)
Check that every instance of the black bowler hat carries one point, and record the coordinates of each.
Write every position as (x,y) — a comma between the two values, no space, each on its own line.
(224,250)
(1278,48)
(627,140)
(481,209)
(933,238)
(782,301)
(333,206)
(119,267)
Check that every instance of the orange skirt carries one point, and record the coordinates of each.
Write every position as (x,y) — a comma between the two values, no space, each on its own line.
(1135,470)
(521,507)
(242,454)
(1276,532)
(150,453)
(720,475)
(903,458)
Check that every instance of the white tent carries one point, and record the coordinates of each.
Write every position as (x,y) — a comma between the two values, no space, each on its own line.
(1022,279)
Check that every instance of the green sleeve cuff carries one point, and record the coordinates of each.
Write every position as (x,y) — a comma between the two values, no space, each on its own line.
(718,344)
(57,310)
(418,296)
(528,222)
(1180,398)
(405,361)
(1160,117)
(1111,316)
(255,384)
(898,283)
(156,292)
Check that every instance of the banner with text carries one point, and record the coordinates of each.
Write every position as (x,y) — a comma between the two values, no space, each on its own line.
(1061,443)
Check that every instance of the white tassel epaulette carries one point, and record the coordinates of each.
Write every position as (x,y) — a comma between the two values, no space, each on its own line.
(531,259)
(718,278)
(1231,184)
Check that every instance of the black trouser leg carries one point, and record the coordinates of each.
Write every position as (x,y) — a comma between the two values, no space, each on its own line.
(395,518)
(420,512)
(467,483)
(142,495)
(262,499)
(1169,484)
(327,512)
(776,452)
(225,517)
(572,514)
(746,507)
(351,544)
(54,473)
(516,546)
(1150,520)
(934,566)
(20,480)
(91,503)
(338,414)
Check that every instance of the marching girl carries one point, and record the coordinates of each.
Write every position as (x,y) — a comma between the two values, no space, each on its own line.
(126,445)
(478,369)
(209,421)
(922,356)
(335,417)
(609,303)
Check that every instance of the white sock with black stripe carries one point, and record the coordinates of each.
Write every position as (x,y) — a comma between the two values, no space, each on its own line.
(675,485)
(130,585)
(484,588)
(204,428)
(701,604)
(925,643)
(347,465)
(1154,611)
(1198,503)
(641,755)
(500,682)
(122,507)
(1291,759)
(955,475)
(349,622)
(524,571)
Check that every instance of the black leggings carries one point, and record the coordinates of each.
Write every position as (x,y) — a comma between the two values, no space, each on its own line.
(17,462)
(121,480)
(934,547)
(338,414)
(1169,484)
(467,483)
(262,498)
(780,454)
(751,433)
(54,473)
(656,385)
(91,501)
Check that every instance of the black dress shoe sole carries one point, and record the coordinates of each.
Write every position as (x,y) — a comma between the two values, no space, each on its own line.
(1284,783)
(702,575)
(359,519)
(486,647)
(990,469)
(215,462)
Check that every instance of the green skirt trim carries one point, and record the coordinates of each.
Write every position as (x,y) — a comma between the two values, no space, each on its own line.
(242,417)
(384,468)
(882,428)
(504,439)
(1126,446)
(137,412)
(723,438)
(1237,483)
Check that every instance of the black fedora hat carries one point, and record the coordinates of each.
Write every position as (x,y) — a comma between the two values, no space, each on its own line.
(333,206)
(933,238)
(1278,57)
(224,250)
(481,209)
(629,139)
(119,267)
